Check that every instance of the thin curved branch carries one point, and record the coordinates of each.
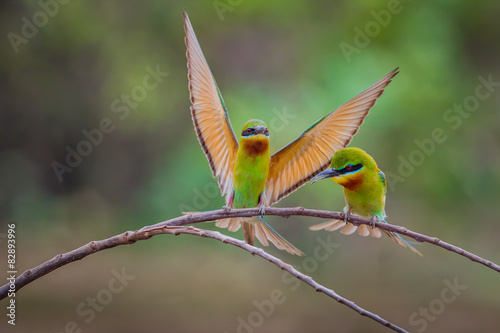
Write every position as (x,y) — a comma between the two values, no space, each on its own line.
(166,227)
(301,211)
(96,246)
(146,233)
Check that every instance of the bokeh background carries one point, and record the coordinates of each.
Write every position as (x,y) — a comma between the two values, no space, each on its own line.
(280,61)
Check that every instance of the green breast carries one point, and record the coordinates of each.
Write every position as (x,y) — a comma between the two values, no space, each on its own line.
(368,199)
(250,175)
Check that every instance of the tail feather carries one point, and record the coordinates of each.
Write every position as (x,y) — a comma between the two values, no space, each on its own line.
(248,232)
(337,225)
(375,232)
(268,233)
(348,229)
(261,234)
(256,227)
(222,223)
(320,226)
(232,224)
(363,230)
(399,240)
(328,225)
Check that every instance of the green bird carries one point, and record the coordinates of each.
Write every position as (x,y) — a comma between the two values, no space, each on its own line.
(365,189)
(248,176)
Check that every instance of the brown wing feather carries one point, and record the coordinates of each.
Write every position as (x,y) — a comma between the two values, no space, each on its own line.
(308,155)
(209,114)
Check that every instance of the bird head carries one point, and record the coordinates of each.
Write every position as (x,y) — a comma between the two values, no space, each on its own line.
(255,137)
(348,168)
(255,128)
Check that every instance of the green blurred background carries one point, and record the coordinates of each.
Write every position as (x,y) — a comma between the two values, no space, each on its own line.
(279,61)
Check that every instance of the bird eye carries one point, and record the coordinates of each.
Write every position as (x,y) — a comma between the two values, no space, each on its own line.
(266,132)
(348,167)
(249,130)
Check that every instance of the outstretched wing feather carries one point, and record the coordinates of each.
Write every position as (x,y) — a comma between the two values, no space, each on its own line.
(210,118)
(298,162)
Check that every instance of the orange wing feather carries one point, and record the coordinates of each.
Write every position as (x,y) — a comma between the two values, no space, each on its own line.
(295,164)
(209,114)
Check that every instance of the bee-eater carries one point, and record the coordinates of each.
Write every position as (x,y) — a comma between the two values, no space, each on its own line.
(247,175)
(365,189)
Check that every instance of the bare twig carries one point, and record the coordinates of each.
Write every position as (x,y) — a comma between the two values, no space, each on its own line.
(169,227)
(286,212)
(146,233)
(79,253)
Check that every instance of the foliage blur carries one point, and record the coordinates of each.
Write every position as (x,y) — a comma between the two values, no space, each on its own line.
(278,61)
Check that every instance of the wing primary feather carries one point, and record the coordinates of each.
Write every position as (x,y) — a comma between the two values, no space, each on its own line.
(208,111)
(295,164)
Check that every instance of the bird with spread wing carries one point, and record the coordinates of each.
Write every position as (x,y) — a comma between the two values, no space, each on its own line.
(248,176)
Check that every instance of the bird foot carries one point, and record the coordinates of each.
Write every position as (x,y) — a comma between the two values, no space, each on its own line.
(226,208)
(373,220)
(347,215)
(262,210)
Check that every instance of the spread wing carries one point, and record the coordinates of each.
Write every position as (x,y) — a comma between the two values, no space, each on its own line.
(308,155)
(209,113)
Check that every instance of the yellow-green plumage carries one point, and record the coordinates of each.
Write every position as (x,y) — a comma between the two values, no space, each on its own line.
(246,174)
(251,167)
(365,190)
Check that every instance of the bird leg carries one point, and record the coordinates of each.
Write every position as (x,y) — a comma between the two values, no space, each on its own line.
(262,205)
(347,214)
(373,220)
(229,202)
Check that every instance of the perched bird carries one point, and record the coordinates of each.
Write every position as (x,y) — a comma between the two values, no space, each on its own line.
(248,176)
(365,189)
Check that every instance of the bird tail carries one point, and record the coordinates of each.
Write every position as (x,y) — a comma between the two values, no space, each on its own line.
(347,228)
(398,239)
(257,227)
(363,230)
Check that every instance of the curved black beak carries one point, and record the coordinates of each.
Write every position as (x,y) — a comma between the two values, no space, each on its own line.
(328,173)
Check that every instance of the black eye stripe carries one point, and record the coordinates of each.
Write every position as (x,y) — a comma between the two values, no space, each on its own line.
(352,169)
(254,130)
(245,133)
